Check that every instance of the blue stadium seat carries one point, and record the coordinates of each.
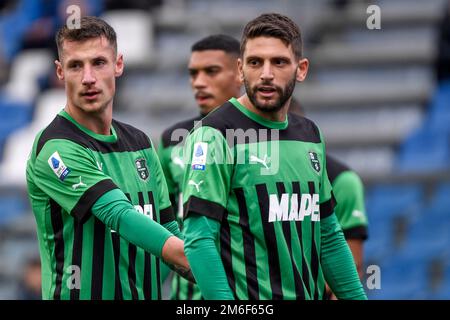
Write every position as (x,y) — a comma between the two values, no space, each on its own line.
(424,151)
(13,115)
(387,200)
(11,207)
(402,279)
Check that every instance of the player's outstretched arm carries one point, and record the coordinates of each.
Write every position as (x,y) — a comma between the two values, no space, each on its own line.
(114,210)
(337,262)
(204,258)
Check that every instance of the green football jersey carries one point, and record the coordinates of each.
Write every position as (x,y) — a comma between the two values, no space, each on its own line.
(70,168)
(266,182)
(170,153)
(349,192)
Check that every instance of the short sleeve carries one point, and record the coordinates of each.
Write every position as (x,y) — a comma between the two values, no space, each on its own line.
(207,178)
(68,173)
(350,209)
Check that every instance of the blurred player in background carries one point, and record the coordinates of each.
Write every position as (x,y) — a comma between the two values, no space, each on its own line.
(214,79)
(264,228)
(350,209)
(96,186)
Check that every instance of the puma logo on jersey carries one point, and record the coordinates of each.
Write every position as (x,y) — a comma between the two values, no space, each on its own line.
(196,185)
(288,208)
(357,214)
(178,161)
(78,185)
(100,166)
(261,161)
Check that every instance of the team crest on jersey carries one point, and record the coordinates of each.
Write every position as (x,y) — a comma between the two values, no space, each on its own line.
(314,160)
(59,168)
(141,167)
(199,156)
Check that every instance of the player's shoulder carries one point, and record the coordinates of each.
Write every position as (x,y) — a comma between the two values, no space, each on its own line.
(59,131)
(335,168)
(303,129)
(129,137)
(227,116)
(188,125)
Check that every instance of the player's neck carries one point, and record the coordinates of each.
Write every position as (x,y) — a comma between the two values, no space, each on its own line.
(97,122)
(278,116)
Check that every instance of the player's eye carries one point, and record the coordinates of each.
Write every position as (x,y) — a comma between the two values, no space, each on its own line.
(253,62)
(99,62)
(193,73)
(212,71)
(74,65)
(281,62)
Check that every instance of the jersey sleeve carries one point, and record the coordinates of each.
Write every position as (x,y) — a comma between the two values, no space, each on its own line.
(207,177)
(327,200)
(68,173)
(165,205)
(350,209)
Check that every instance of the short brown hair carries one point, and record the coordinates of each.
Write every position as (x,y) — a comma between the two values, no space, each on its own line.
(90,28)
(277,26)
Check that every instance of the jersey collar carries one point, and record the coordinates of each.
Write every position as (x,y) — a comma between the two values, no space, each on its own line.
(105,138)
(257,118)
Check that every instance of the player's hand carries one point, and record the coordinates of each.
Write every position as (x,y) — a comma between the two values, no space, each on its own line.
(173,255)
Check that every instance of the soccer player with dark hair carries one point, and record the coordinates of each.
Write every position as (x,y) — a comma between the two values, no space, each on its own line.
(214,79)
(259,218)
(97,190)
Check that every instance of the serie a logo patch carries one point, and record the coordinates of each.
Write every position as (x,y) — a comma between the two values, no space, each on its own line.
(199,156)
(59,168)
(141,167)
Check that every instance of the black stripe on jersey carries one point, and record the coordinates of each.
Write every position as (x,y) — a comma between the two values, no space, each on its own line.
(271,243)
(118,295)
(132,265)
(169,136)
(83,207)
(166,215)
(359,233)
(147,287)
(225,253)
(77,251)
(299,293)
(249,247)
(128,137)
(157,262)
(57,225)
(204,207)
(334,168)
(314,254)
(228,117)
(327,208)
(298,224)
(98,260)
(190,290)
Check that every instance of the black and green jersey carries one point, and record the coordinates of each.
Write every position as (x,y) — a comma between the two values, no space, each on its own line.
(266,182)
(170,153)
(70,168)
(348,190)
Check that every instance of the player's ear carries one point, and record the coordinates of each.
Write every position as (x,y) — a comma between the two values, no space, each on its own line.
(118,67)
(59,70)
(240,70)
(302,69)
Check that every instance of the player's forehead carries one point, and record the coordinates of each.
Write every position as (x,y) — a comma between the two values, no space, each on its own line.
(87,49)
(266,47)
(208,58)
